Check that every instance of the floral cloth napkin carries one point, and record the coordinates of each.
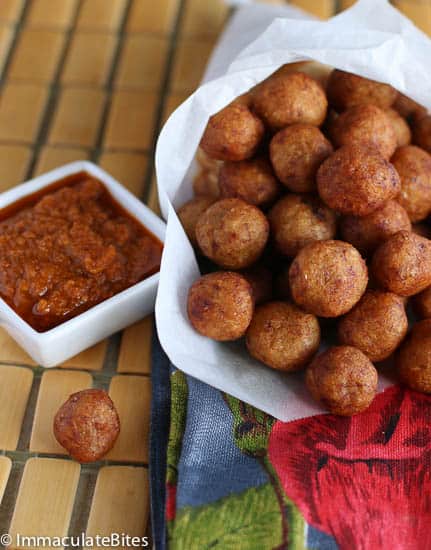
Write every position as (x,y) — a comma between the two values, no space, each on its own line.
(228,476)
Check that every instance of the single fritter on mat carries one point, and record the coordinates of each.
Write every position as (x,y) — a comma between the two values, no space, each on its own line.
(87,425)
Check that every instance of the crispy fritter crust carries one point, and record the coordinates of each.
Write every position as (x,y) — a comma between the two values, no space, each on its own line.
(366,233)
(422,132)
(87,425)
(291,98)
(407,108)
(283,336)
(343,380)
(357,181)
(232,233)
(414,168)
(189,214)
(347,90)
(400,126)
(328,278)
(402,264)
(298,220)
(422,304)
(296,153)
(365,125)
(220,305)
(250,180)
(234,133)
(376,325)
(414,358)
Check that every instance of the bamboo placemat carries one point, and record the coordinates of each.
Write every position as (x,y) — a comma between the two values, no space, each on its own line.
(94,79)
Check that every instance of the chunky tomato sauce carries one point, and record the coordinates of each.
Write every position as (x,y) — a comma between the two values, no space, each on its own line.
(68,248)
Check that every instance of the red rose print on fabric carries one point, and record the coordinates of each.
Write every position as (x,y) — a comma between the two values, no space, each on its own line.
(365,480)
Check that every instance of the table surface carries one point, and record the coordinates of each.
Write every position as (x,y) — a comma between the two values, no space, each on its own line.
(94,79)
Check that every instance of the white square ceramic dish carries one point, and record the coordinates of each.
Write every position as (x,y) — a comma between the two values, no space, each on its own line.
(54,346)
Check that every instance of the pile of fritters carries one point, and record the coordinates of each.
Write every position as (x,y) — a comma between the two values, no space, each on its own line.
(311,206)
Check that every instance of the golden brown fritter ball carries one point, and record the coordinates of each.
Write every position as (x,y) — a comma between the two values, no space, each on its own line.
(414,168)
(282,336)
(292,98)
(356,180)
(343,380)
(366,233)
(422,132)
(406,107)
(414,358)
(260,279)
(422,304)
(402,264)
(365,125)
(376,325)
(189,214)
(87,425)
(296,153)
(220,305)
(298,220)
(400,126)
(250,180)
(234,133)
(205,184)
(232,233)
(328,278)
(347,90)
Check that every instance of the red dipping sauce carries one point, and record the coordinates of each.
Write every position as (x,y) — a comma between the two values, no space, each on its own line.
(69,247)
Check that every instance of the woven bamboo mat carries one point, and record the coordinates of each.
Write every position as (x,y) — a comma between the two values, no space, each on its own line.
(94,79)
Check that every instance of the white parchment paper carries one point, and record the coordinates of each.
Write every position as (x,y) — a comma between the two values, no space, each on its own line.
(371,39)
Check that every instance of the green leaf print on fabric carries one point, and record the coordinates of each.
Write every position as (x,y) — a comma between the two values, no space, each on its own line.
(247,521)
(179,393)
(251,431)
(251,428)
